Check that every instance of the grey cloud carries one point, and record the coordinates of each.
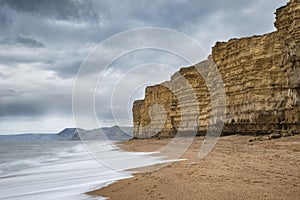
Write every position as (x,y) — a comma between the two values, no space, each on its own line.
(14,61)
(29,42)
(8,92)
(121,65)
(3,75)
(67,70)
(39,105)
(176,14)
(4,21)
(214,18)
(62,10)
(23,41)
(21,109)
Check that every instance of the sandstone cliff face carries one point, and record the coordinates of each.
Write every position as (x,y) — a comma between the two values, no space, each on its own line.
(261,76)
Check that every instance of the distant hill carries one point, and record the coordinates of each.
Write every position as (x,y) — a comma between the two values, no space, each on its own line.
(111,133)
(69,134)
(73,134)
(116,132)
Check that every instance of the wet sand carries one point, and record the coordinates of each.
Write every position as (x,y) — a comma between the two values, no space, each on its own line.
(235,169)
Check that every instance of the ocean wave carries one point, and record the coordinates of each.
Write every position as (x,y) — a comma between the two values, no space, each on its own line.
(19,165)
(65,170)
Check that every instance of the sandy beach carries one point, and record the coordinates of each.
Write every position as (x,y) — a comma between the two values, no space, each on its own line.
(235,169)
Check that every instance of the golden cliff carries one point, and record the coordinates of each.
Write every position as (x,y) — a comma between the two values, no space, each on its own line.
(261,76)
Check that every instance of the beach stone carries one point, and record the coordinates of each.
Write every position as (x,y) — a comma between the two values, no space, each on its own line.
(193,163)
(275,136)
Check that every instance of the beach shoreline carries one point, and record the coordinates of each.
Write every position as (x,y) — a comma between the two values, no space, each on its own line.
(235,169)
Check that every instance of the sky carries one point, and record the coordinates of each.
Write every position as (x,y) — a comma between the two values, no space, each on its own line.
(43,44)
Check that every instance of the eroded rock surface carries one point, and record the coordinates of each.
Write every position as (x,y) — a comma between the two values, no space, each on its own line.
(261,76)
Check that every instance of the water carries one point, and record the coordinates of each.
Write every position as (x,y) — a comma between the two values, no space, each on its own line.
(62,170)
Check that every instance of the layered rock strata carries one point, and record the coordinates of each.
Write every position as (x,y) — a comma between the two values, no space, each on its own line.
(261,77)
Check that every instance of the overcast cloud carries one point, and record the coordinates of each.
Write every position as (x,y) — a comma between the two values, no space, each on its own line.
(43,43)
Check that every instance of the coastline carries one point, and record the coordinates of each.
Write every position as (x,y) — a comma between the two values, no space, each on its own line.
(235,169)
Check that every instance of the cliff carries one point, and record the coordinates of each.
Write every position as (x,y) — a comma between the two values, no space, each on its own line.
(261,77)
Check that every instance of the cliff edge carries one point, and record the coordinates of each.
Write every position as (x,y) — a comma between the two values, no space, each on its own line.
(261,76)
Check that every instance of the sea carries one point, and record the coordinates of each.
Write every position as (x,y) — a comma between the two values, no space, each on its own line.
(64,170)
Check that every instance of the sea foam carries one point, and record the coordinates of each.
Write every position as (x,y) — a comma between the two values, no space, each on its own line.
(66,171)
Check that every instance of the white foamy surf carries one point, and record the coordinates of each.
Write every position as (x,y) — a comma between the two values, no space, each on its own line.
(62,170)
